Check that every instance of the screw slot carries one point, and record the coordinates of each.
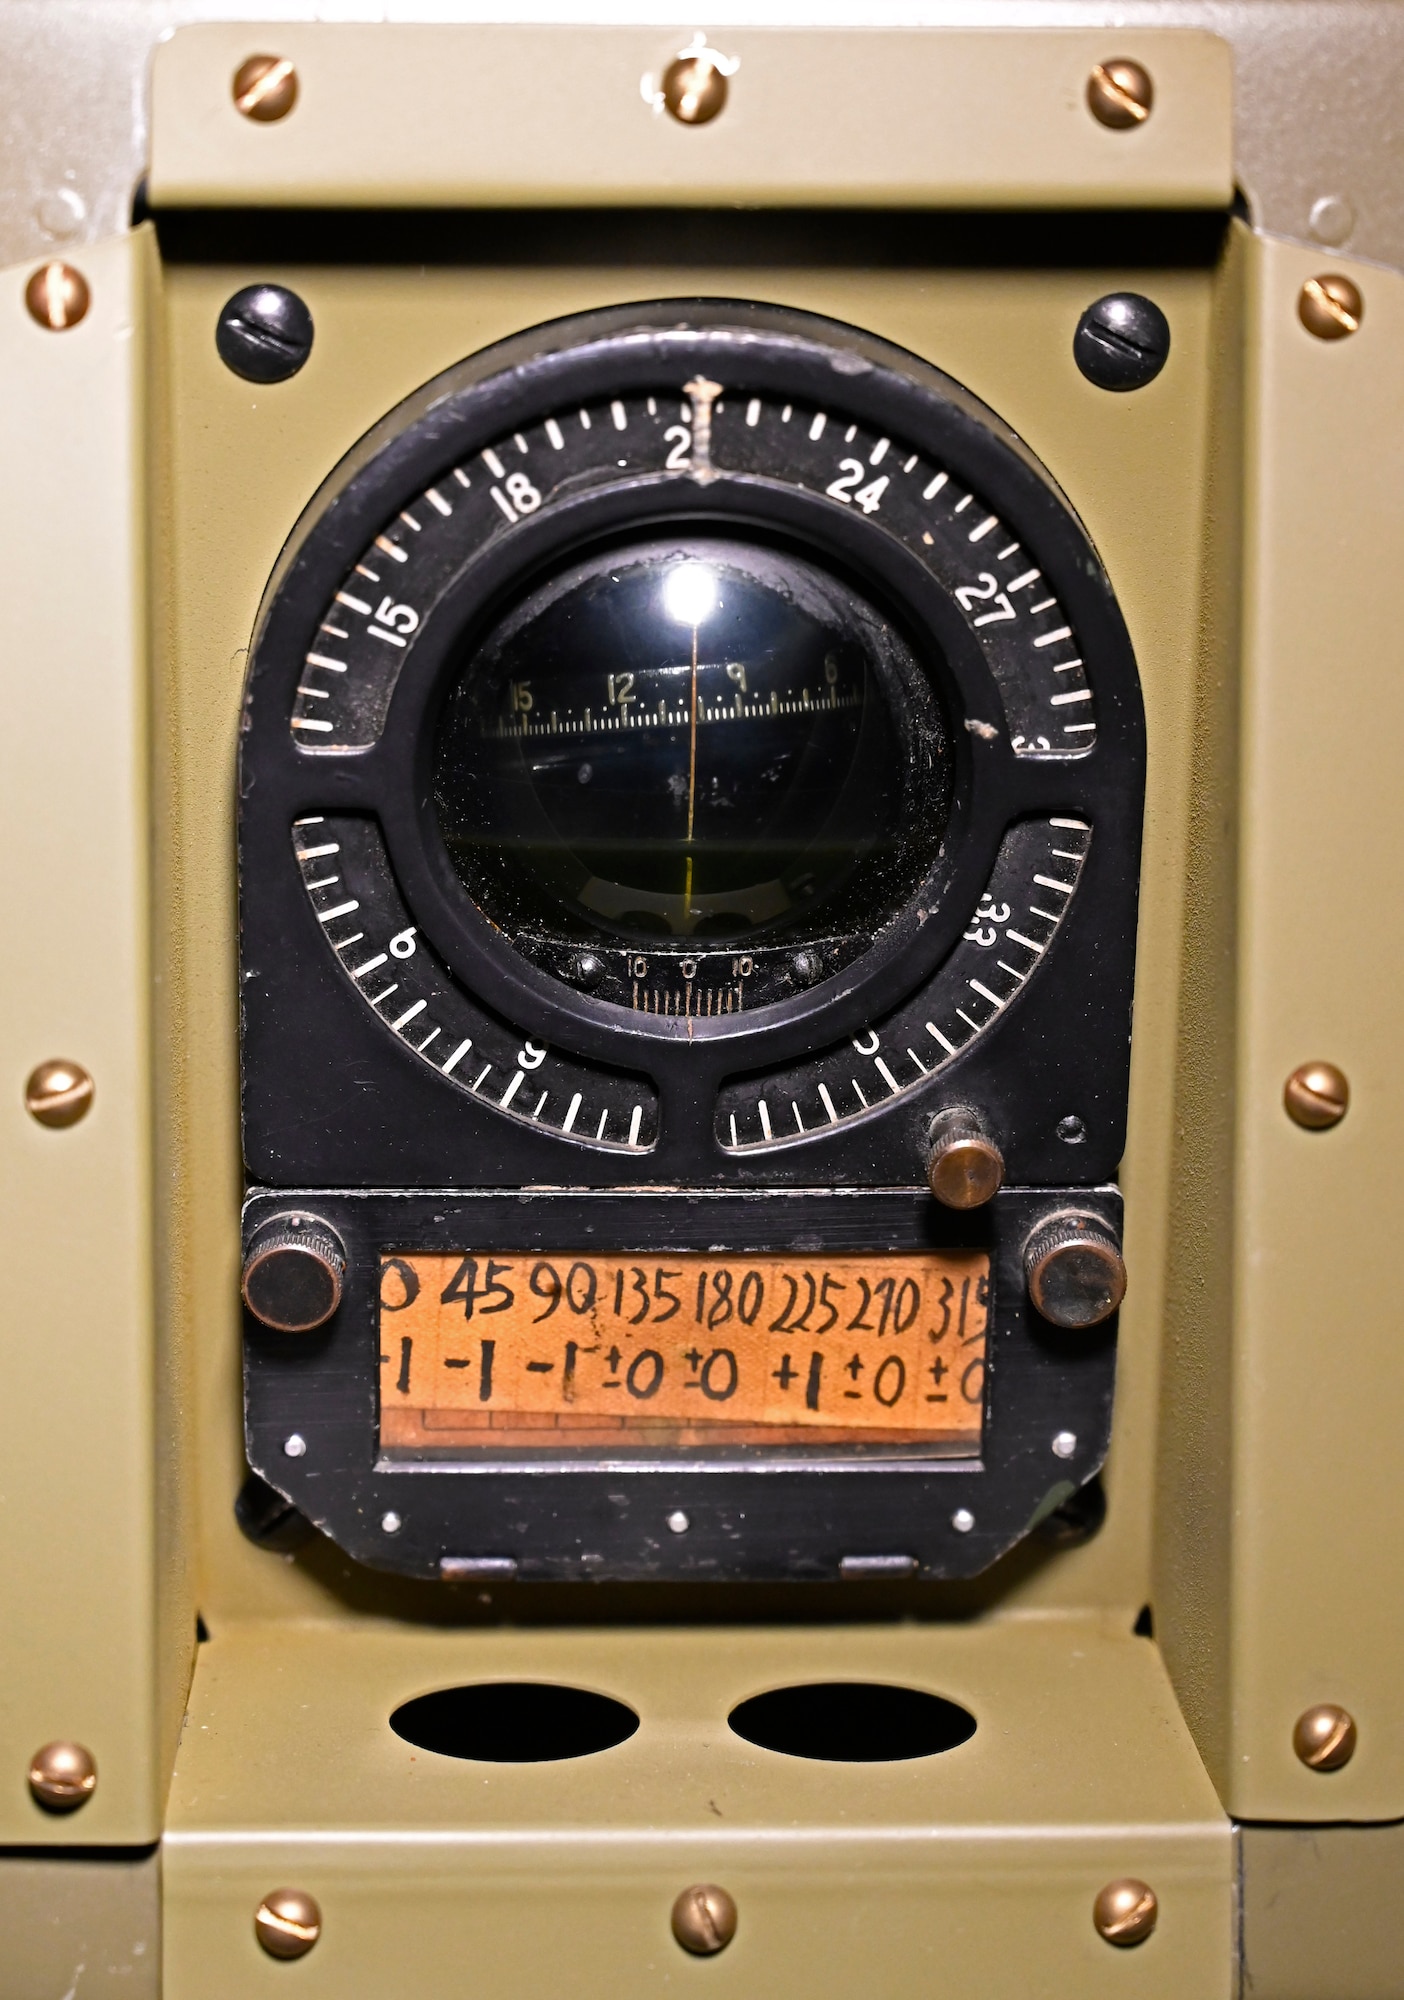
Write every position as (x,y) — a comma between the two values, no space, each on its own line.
(1122,342)
(57,297)
(704,1919)
(1316,1096)
(287,1923)
(694,85)
(1325,1737)
(264,334)
(1330,307)
(63,1776)
(265,88)
(58,1094)
(1120,94)
(1126,1912)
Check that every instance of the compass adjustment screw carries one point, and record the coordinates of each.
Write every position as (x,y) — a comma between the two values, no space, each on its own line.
(965,1167)
(264,333)
(1074,1269)
(1122,341)
(1120,94)
(293,1273)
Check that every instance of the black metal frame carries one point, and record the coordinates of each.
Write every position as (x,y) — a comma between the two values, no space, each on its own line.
(343,1121)
(765,1520)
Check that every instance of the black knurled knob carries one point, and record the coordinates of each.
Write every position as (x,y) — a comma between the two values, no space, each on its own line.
(1074,1268)
(293,1273)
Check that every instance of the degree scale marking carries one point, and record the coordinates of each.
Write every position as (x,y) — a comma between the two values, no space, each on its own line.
(963,996)
(395,945)
(699,426)
(703,434)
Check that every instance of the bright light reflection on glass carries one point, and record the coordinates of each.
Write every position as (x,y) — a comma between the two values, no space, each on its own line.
(689,593)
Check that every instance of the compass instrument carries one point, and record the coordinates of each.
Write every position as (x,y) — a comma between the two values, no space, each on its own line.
(691,751)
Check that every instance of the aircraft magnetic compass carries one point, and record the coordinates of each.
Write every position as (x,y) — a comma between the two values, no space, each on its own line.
(690,742)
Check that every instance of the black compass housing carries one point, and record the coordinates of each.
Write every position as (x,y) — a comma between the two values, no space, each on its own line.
(333,1097)
(461,979)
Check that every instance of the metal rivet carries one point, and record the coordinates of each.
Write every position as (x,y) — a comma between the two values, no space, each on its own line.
(294,1446)
(1065,1444)
(1316,1095)
(1071,1131)
(264,334)
(1125,1912)
(265,88)
(57,296)
(63,1776)
(58,1094)
(704,1919)
(679,1522)
(807,966)
(695,84)
(1332,220)
(1122,342)
(61,214)
(965,1168)
(390,1524)
(288,1923)
(587,969)
(1120,94)
(962,1520)
(1330,307)
(1325,1737)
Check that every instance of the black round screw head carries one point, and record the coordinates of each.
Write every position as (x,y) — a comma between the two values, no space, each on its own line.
(587,969)
(1122,341)
(264,333)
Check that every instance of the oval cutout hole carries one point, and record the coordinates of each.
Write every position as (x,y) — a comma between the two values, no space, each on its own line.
(852,1722)
(514,1722)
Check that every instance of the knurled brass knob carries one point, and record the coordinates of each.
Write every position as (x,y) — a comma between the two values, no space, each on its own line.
(1325,1737)
(63,1776)
(1075,1273)
(965,1168)
(293,1273)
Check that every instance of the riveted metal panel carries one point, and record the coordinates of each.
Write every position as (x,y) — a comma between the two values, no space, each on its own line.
(95,1639)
